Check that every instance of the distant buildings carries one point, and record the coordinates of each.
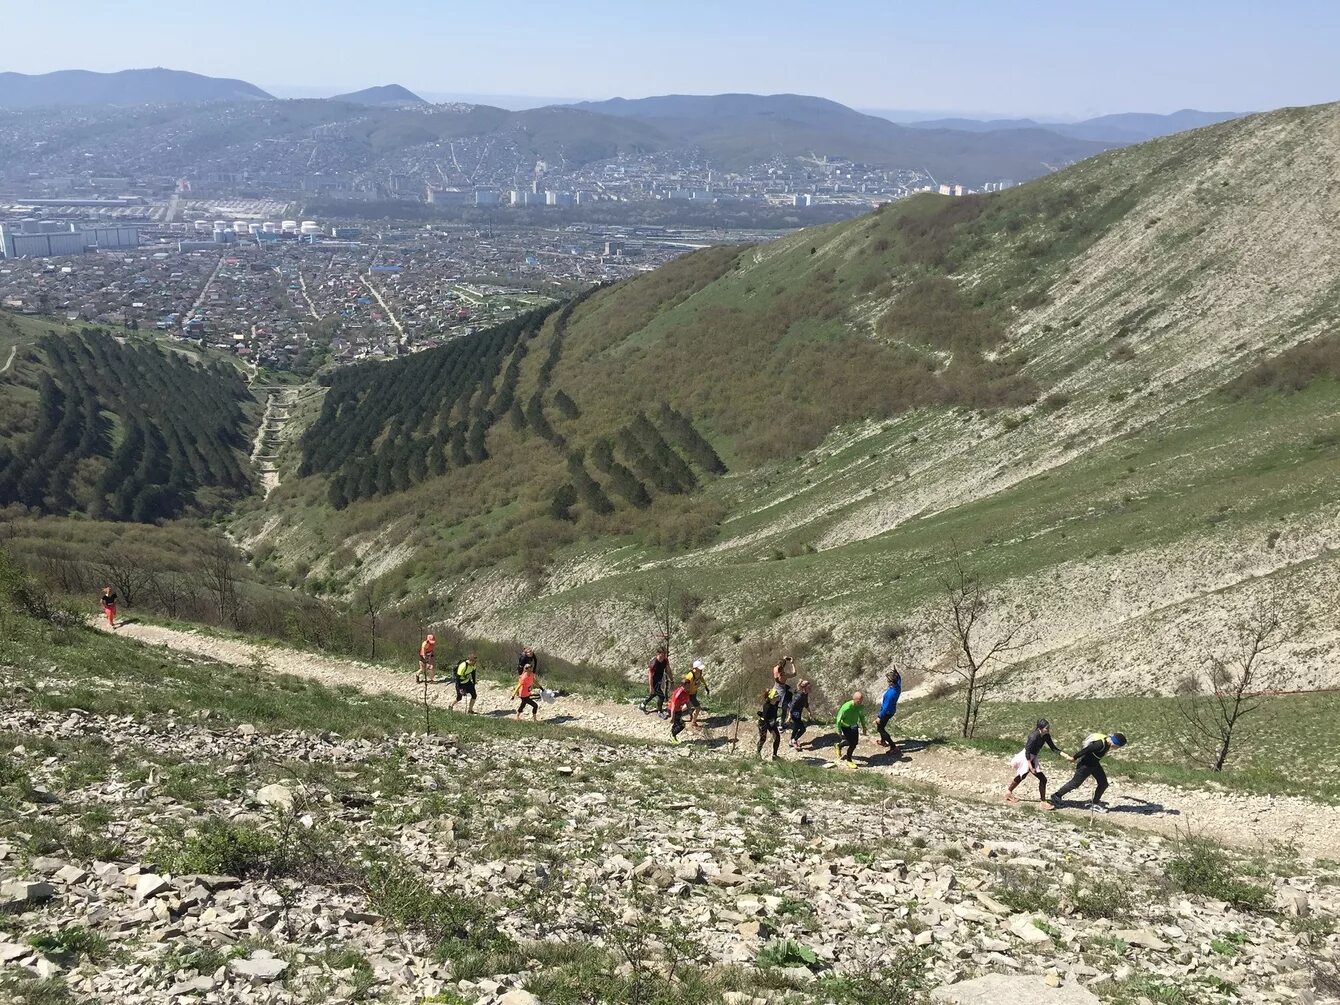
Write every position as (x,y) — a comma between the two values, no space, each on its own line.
(46,239)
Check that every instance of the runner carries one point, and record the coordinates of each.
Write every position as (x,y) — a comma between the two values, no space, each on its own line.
(1088,764)
(781,679)
(465,683)
(526,658)
(850,722)
(799,706)
(525,687)
(693,683)
(1025,762)
(887,708)
(767,721)
(427,661)
(658,674)
(109,605)
(679,704)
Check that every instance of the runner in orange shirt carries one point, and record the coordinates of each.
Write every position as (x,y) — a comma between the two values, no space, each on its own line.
(427,661)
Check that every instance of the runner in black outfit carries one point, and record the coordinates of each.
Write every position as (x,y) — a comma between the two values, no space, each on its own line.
(800,704)
(1088,765)
(658,674)
(767,721)
(1025,762)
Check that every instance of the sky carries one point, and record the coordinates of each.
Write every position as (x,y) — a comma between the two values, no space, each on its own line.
(1044,57)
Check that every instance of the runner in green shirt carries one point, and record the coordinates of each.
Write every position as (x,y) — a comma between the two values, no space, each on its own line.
(850,723)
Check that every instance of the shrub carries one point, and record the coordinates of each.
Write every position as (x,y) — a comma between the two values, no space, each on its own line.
(453,923)
(1100,898)
(900,981)
(221,847)
(1205,870)
(71,941)
(787,953)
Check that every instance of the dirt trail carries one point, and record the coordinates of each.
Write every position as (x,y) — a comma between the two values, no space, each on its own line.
(13,351)
(1244,820)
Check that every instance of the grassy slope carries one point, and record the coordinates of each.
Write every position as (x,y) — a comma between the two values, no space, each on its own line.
(1132,286)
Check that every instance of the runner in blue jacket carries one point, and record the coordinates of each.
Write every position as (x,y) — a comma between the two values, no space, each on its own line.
(887,708)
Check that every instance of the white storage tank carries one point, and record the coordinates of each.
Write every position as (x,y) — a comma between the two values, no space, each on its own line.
(289,226)
(269,227)
(239,226)
(202,226)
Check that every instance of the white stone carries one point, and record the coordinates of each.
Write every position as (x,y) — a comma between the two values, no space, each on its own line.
(276,795)
(999,989)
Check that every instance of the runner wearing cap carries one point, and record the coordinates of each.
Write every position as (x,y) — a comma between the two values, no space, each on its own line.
(693,683)
(1025,762)
(427,660)
(1088,764)
(465,682)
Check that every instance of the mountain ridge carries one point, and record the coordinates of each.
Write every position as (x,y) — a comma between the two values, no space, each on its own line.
(1121,127)
(156,85)
(383,95)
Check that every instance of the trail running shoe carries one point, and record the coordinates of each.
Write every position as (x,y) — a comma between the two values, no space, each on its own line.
(1097,807)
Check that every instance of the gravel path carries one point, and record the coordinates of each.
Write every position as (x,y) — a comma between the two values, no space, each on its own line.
(1232,818)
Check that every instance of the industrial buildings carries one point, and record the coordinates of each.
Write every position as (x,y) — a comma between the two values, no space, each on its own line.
(47,239)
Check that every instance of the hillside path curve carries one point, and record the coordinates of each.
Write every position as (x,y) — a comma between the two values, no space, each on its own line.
(1240,819)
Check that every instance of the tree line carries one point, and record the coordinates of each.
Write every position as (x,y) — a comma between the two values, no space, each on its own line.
(127,432)
(384,427)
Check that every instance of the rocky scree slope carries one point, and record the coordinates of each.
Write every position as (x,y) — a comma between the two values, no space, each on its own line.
(175,857)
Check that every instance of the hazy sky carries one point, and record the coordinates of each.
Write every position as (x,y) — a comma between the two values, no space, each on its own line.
(1028,56)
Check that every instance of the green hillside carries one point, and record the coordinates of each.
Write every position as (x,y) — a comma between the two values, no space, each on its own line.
(118,429)
(1086,386)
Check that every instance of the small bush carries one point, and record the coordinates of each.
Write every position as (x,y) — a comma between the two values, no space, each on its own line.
(1205,870)
(220,847)
(1025,891)
(900,981)
(787,953)
(1100,898)
(453,923)
(71,941)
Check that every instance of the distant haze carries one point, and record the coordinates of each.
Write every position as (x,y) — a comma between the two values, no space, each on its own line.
(1047,59)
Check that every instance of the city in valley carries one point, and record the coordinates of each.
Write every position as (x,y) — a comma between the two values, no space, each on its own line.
(306,250)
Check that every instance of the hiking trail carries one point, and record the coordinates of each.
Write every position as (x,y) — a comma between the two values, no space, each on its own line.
(1240,819)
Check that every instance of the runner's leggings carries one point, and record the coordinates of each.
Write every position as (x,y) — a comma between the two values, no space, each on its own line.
(882,723)
(1042,782)
(1083,772)
(798,727)
(656,690)
(534,706)
(851,736)
(677,722)
(764,728)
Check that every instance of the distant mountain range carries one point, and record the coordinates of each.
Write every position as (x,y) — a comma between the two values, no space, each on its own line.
(736,129)
(385,96)
(1123,128)
(730,130)
(155,86)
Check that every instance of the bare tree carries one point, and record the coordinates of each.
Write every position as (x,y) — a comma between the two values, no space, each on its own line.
(1238,676)
(369,602)
(219,572)
(977,649)
(129,574)
(172,592)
